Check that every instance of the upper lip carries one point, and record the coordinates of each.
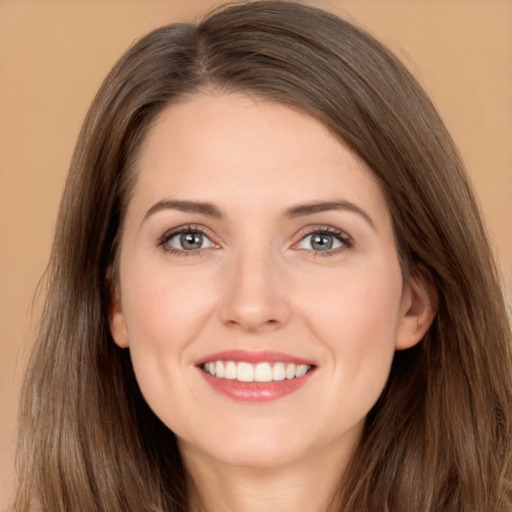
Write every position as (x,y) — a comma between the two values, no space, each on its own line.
(254,357)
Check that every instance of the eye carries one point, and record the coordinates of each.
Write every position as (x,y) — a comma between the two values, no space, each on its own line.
(187,240)
(319,242)
(323,240)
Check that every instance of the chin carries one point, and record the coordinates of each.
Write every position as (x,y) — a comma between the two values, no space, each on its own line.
(260,449)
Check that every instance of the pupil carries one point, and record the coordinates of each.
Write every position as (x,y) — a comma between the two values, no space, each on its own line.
(191,240)
(321,242)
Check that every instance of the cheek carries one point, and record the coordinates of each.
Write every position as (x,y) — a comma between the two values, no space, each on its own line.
(163,309)
(362,302)
(165,312)
(355,315)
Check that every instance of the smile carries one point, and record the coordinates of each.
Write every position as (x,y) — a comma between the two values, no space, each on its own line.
(262,372)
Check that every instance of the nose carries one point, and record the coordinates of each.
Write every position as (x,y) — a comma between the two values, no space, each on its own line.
(254,295)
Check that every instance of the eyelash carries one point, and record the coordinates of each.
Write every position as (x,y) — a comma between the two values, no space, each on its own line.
(163,241)
(342,237)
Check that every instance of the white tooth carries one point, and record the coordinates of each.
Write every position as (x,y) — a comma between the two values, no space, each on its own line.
(290,371)
(230,370)
(278,372)
(210,368)
(219,369)
(245,372)
(301,370)
(263,373)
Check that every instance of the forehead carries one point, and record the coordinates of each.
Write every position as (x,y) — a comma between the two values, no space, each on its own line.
(225,146)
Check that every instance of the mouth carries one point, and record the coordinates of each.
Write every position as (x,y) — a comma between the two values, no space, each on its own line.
(244,371)
(255,376)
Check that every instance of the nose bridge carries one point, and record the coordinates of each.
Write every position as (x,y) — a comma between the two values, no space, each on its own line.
(254,296)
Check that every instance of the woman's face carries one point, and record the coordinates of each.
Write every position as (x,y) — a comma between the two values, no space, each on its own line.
(258,248)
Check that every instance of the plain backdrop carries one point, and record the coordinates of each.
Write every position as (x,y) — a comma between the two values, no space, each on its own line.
(54,55)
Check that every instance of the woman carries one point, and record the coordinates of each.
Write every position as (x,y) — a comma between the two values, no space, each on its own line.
(270,286)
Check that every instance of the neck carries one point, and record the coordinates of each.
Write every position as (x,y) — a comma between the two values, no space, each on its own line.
(306,485)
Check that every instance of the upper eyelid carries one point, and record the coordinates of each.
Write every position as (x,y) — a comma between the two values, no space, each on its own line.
(325,229)
(196,228)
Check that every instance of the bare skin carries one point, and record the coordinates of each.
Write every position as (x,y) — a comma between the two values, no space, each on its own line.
(254,233)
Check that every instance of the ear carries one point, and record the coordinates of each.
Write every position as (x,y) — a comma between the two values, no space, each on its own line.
(116,318)
(420,303)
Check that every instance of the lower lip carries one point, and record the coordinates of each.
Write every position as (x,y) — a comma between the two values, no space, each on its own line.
(255,391)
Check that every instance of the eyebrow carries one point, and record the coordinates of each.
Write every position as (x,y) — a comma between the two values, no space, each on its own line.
(324,206)
(185,206)
(302,210)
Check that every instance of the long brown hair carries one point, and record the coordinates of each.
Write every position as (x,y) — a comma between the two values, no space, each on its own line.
(439,438)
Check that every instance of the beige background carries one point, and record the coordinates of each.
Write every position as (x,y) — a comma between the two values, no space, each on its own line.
(54,54)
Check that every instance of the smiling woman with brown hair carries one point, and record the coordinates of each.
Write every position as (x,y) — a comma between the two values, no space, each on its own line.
(269,287)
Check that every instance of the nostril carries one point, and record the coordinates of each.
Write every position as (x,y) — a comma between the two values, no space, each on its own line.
(253,325)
